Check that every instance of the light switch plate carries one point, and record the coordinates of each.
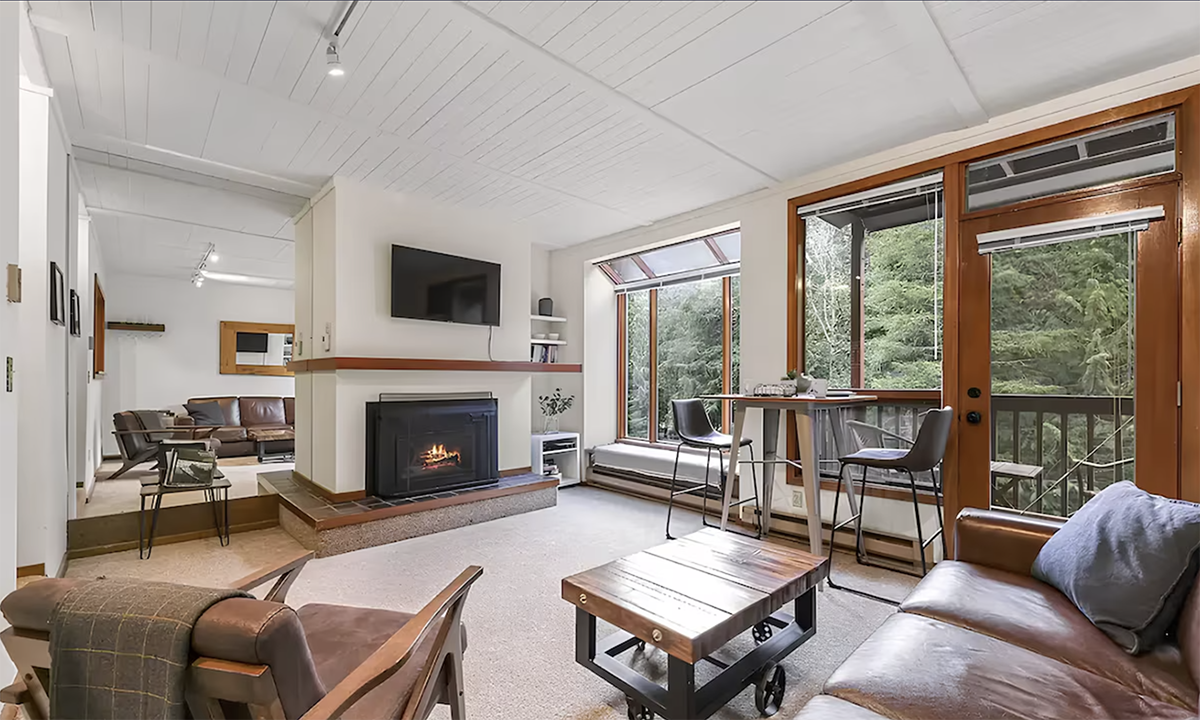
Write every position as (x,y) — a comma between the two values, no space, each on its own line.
(14,283)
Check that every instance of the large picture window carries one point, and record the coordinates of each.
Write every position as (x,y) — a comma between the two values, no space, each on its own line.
(678,326)
(873,289)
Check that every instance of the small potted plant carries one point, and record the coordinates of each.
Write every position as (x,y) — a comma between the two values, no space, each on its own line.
(554,406)
(798,379)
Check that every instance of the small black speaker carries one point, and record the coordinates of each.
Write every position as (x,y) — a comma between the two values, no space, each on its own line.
(545,306)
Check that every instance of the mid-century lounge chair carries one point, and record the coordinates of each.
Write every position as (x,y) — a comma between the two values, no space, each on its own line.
(262,659)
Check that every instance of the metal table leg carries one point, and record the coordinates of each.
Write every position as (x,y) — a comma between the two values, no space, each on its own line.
(681,699)
(153,523)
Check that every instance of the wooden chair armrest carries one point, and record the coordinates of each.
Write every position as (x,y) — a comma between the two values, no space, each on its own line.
(286,571)
(15,694)
(391,656)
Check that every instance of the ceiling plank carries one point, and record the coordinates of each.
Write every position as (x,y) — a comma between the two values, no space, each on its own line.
(496,32)
(915,22)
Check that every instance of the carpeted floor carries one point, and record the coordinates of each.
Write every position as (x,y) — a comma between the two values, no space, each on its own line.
(520,661)
(110,497)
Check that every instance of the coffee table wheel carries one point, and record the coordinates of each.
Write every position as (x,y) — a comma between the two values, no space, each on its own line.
(769,688)
(762,632)
(634,710)
(641,646)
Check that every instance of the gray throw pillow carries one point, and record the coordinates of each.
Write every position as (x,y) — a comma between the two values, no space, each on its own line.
(206,413)
(1127,560)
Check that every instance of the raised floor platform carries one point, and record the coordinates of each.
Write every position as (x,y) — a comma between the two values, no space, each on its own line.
(329,528)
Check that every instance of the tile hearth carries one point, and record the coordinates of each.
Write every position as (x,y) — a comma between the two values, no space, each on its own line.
(330,528)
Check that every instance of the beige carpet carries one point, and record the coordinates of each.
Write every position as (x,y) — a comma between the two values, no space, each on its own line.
(111,497)
(520,663)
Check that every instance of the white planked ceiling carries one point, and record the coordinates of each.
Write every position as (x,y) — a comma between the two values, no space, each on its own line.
(576,119)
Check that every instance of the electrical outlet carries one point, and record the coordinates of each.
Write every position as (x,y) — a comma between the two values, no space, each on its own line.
(798,499)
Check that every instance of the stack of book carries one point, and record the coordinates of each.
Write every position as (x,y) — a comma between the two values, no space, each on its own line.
(544,354)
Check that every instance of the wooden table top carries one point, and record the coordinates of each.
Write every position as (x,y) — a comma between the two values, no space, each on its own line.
(785,399)
(697,592)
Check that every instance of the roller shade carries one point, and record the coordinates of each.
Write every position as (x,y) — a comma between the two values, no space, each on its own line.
(1068,230)
(910,188)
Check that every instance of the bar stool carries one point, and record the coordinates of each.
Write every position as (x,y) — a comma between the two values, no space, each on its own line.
(695,430)
(924,455)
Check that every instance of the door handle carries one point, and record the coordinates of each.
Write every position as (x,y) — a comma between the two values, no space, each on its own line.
(974,417)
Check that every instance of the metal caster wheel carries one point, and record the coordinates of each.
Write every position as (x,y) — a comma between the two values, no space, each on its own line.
(762,632)
(636,711)
(769,689)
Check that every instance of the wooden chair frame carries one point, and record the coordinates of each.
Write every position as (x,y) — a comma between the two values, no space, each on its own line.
(214,683)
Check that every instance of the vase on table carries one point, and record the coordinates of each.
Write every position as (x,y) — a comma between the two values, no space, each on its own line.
(550,424)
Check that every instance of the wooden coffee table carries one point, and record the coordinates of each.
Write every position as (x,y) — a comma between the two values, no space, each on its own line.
(688,598)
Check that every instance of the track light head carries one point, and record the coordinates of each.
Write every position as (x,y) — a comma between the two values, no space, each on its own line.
(334,64)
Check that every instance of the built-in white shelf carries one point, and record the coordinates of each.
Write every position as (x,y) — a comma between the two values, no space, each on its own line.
(536,341)
(564,448)
(548,318)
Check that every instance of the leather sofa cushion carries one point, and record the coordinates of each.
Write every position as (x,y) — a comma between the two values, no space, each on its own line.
(261,411)
(915,667)
(229,434)
(229,406)
(258,632)
(1031,614)
(341,638)
(1189,632)
(827,707)
(289,410)
(1005,541)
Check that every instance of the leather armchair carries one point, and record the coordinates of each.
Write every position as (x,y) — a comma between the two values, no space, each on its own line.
(263,659)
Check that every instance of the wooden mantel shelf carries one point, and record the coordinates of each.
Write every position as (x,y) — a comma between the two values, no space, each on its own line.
(373,363)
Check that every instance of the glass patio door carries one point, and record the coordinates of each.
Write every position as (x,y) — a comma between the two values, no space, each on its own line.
(1069,347)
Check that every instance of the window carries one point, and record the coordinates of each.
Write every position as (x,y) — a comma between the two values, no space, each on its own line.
(873,288)
(678,323)
(1131,150)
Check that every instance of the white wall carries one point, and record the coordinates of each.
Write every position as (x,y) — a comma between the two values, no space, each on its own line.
(96,425)
(9,331)
(348,286)
(145,371)
(579,289)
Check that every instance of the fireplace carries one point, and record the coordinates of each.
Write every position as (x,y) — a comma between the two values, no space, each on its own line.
(427,446)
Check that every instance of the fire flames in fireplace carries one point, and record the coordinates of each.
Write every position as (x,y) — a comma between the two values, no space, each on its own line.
(439,457)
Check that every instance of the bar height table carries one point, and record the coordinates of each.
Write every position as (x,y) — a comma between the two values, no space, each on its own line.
(802,408)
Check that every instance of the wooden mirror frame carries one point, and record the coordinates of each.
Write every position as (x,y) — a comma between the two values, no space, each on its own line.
(229,331)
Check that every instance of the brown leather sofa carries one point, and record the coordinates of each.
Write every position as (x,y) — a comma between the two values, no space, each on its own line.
(980,638)
(243,414)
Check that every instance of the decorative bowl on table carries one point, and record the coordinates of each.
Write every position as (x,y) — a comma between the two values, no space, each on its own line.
(782,388)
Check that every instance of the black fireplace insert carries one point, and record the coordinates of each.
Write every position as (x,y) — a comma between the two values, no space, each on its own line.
(428,446)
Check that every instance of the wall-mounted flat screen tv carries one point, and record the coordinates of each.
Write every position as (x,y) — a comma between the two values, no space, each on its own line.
(429,285)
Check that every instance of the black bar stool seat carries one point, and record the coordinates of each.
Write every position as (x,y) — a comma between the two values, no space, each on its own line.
(924,455)
(695,430)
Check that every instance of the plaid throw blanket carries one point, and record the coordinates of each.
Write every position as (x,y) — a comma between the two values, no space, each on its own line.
(120,648)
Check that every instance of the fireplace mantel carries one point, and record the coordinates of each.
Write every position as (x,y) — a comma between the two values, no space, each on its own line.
(375,363)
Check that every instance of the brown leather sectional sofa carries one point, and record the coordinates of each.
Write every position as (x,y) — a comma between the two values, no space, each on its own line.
(243,414)
(980,638)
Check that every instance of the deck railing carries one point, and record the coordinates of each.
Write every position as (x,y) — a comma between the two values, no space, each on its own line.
(1082,443)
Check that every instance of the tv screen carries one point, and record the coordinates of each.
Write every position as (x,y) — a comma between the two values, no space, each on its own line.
(251,342)
(429,285)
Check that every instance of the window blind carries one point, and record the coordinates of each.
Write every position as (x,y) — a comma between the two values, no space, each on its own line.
(1068,230)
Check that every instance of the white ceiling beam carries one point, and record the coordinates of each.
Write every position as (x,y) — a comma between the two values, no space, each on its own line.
(104,158)
(519,45)
(917,25)
(168,157)
(97,210)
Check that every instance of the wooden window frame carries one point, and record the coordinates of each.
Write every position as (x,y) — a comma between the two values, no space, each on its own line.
(623,367)
(1186,104)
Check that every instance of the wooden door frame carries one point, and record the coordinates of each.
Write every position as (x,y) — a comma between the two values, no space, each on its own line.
(1157,371)
(1186,104)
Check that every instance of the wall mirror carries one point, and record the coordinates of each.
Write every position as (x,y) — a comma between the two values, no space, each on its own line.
(256,348)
